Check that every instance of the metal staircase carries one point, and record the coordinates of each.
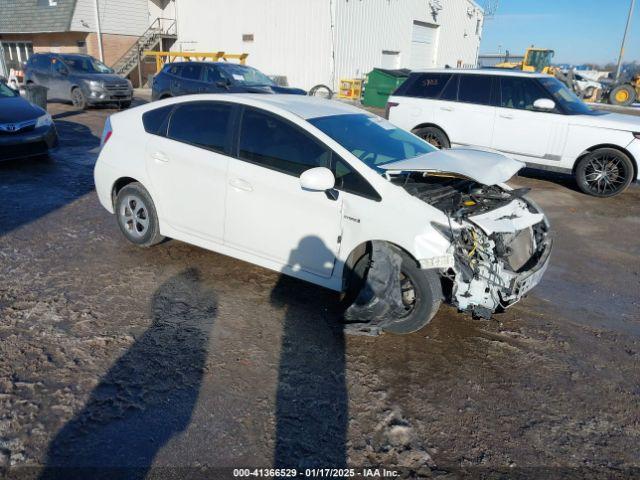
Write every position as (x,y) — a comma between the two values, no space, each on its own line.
(159,29)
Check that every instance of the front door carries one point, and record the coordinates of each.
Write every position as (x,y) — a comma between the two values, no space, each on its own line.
(268,213)
(523,131)
(59,86)
(188,169)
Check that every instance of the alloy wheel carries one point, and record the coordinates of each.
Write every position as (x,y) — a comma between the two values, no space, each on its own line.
(433,140)
(605,174)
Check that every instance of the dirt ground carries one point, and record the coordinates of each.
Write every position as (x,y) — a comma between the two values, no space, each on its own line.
(176,362)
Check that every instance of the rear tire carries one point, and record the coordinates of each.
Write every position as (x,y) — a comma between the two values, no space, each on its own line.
(623,95)
(78,99)
(605,172)
(434,136)
(137,216)
(422,301)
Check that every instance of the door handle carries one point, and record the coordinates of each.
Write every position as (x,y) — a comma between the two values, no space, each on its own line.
(240,184)
(446,109)
(160,157)
(508,117)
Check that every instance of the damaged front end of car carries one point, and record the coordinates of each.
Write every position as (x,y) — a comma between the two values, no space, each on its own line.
(500,240)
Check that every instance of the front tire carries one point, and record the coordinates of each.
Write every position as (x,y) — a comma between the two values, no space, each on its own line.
(137,216)
(434,136)
(78,98)
(421,296)
(605,172)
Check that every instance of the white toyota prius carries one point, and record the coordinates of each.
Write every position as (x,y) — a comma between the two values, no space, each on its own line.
(317,189)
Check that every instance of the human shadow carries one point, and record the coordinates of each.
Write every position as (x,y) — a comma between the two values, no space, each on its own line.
(31,188)
(146,397)
(311,400)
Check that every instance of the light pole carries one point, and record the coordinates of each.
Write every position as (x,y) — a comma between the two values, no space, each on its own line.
(624,39)
(99,31)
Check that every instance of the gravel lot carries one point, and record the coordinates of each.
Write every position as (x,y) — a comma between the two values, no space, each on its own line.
(174,361)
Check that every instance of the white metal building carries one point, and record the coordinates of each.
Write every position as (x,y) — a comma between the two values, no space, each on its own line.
(320,41)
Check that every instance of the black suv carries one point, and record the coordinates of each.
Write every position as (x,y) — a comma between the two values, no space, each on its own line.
(184,78)
(79,78)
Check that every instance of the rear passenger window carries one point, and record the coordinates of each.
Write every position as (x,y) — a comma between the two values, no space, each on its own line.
(191,71)
(475,89)
(278,145)
(155,121)
(212,75)
(424,85)
(450,91)
(348,180)
(205,124)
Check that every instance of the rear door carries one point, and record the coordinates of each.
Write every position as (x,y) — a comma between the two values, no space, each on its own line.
(59,86)
(472,116)
(522,130)
(188,167)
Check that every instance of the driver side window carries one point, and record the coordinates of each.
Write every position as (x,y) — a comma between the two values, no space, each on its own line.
(520,93)
(274,143)
(59,67)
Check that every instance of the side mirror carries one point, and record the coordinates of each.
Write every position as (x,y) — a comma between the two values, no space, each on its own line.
(544,104)
(319,179)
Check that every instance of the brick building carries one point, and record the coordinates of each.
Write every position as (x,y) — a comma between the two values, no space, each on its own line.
(72,26)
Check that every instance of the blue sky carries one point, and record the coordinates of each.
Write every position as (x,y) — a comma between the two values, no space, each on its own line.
(578,30)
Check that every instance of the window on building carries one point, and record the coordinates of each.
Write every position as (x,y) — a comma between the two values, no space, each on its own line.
(278,145)
(205,124)
(475,89)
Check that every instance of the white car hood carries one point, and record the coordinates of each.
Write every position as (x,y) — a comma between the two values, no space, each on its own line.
(488,168)
(510,218)
(615,121)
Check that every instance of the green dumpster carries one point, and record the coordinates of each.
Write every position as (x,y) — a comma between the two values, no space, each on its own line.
(380,84)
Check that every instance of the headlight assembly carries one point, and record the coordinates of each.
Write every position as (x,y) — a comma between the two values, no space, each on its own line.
(95,85)
(44,121)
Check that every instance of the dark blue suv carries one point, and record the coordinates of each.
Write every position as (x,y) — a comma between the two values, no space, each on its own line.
(184,78)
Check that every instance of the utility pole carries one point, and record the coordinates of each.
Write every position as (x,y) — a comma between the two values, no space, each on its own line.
(99,31)
(624,39)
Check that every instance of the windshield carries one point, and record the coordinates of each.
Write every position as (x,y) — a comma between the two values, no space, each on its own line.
(372,139)
(6,92)
(568,100)
(85,64)
(246,76)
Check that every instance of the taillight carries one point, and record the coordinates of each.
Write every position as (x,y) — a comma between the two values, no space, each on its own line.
(106,133)
(388,107)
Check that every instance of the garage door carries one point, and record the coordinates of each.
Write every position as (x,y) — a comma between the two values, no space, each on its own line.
(423,45)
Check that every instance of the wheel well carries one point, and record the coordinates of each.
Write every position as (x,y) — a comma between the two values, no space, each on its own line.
(119,185)
(424,125)
(362,250)
(606,145)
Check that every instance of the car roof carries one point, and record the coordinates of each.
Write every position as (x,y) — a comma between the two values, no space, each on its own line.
(507,72)
(200,62)
(299,105)
(304,106)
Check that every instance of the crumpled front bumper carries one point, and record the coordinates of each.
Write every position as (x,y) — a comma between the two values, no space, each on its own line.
(524,282)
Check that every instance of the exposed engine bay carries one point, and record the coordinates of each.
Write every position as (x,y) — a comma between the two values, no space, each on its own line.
(499,239)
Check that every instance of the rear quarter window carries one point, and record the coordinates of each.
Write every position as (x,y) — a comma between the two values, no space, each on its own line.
(155,121)
(423,85)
